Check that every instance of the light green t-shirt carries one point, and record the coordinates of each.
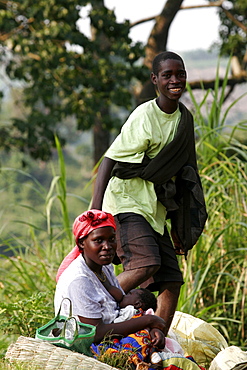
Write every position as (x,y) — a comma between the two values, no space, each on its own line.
(147,130)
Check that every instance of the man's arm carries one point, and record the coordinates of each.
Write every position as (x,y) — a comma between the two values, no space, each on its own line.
(103,177)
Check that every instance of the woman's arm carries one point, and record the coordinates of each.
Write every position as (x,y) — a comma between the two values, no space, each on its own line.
(124,328)
(103,177)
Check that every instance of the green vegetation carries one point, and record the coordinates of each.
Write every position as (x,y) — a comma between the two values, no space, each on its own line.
(215,272)
(233,29)
(64,73)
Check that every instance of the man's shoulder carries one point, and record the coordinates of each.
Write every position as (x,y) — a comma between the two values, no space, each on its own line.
(145,106)
(140,115)
(142,111)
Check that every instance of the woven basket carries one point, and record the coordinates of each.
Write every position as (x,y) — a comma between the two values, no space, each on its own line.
(46,356)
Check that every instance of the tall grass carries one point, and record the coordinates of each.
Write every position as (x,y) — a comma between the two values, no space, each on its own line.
(27,279)
(215,272)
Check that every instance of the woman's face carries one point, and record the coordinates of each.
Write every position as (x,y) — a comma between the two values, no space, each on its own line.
(99,247)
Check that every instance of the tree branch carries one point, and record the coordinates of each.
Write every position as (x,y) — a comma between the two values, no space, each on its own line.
(144,20)
(209,84)
(234,20)
(210,5)
(148,19)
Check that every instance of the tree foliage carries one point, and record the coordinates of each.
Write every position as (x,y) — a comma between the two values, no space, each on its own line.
(233,29)
(64,72)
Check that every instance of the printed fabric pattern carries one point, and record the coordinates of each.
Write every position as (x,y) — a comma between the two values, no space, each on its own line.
(139,347)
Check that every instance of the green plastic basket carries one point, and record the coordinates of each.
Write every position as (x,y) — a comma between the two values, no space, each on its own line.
(68,333)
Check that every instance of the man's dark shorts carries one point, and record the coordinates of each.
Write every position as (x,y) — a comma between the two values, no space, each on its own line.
(138,245)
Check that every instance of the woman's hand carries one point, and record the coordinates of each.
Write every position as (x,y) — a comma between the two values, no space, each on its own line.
(158,338)
(156,322)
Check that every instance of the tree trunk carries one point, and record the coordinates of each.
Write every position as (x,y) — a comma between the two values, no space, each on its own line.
(101,135)
(101,139)
(157,43)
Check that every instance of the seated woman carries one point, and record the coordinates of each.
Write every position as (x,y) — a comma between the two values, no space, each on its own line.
(86,276)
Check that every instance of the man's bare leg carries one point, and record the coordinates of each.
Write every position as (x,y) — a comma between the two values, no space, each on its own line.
(133,278)
(168,294)
(167,302)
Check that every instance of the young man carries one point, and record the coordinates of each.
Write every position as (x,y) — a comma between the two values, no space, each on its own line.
(129,187)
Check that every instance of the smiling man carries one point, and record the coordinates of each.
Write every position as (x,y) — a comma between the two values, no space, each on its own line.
(135,183)
(169,76)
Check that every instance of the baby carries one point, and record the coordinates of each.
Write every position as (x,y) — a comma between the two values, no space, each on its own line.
(136,299)
(143,299)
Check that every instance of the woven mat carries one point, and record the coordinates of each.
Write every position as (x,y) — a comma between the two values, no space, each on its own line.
(46,356)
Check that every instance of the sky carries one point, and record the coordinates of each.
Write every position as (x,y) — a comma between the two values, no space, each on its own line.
(191,29)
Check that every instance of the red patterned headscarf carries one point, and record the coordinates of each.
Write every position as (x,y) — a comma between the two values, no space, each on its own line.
(91,220)
(83,225)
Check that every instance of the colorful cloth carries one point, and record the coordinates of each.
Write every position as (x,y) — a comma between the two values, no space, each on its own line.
(140,348)
(180,363)
(138,345)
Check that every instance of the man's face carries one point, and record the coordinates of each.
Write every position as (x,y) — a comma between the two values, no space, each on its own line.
(171,79)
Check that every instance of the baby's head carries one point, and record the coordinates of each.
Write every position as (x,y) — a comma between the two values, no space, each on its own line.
(139,298)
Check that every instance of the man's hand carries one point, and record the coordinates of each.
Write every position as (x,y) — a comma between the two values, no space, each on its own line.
(179,249)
